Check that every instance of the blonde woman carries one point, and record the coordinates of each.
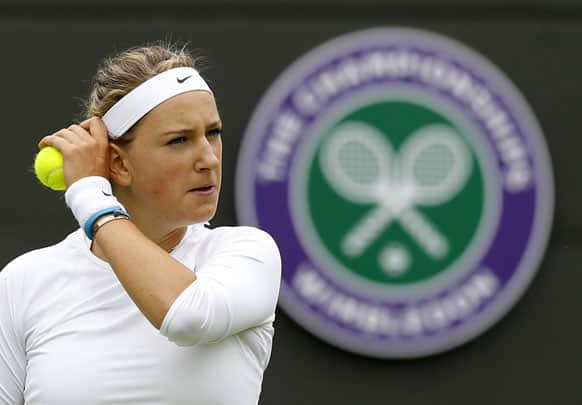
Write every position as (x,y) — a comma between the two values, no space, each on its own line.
(143,304)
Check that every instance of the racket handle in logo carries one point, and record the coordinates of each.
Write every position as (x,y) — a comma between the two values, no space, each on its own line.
(366,231)
(424,233)
(414,223)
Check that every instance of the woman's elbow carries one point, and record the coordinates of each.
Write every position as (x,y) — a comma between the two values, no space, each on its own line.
(189,327)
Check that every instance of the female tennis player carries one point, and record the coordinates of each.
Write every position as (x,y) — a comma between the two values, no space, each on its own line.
(143,304)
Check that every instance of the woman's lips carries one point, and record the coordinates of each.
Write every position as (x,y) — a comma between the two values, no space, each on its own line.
(206,190)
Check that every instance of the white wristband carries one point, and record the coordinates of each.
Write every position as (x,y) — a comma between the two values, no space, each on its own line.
(89,198)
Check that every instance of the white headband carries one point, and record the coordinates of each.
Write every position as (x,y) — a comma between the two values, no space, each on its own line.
(148,95)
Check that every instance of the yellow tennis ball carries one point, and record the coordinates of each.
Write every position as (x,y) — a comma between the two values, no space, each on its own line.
(48,167)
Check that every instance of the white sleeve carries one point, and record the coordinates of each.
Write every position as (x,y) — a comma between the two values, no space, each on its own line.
(235,289)
(12,357)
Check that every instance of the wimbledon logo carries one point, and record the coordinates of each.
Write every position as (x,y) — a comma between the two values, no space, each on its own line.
(408,186)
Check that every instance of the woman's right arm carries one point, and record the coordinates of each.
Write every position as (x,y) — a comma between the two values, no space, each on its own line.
(12,357)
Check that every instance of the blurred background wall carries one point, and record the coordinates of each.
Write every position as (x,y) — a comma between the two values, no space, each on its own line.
(49,51)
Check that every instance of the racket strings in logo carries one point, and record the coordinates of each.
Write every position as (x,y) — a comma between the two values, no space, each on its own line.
(361,165)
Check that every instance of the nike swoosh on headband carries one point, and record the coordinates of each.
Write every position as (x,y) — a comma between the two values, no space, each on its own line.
(183,80)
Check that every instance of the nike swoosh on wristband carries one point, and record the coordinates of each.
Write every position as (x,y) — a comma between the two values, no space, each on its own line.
(107,194)
(184,79)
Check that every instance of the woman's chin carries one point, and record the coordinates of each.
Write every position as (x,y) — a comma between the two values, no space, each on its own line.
(202,216)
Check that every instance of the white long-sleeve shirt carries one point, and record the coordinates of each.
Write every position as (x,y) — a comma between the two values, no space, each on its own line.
(70,334)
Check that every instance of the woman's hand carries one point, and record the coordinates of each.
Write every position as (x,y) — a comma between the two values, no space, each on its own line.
(85,148)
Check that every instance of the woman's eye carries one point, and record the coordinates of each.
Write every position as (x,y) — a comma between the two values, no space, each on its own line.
(215,132)
(180,139)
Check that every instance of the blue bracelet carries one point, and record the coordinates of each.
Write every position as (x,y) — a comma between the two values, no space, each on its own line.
(88,228)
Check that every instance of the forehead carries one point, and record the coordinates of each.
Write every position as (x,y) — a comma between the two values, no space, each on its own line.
(187,110)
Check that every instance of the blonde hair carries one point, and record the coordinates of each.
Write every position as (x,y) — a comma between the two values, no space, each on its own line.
(122,73)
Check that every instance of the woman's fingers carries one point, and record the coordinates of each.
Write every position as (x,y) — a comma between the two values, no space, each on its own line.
(64,134)
(60,143)
(85,148)
(76,133)
(92,128)
(96,127)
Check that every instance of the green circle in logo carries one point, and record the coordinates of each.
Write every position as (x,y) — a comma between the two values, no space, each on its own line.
(394,193)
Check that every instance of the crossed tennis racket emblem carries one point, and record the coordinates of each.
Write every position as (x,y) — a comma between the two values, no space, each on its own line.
(431,167)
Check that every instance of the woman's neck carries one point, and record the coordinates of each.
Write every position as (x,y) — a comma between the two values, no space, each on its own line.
(170,240)
(167,241)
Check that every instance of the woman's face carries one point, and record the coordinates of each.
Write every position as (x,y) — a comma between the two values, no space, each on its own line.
(174,161)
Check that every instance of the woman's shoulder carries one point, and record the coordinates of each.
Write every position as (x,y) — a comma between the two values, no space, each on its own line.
(225,234)
(45,257)
(237,239)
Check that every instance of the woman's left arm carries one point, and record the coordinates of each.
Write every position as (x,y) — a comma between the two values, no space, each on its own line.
(235,288)
(238,277)
(166,291)
(152,277)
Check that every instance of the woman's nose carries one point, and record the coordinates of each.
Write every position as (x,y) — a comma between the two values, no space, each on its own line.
(207,156)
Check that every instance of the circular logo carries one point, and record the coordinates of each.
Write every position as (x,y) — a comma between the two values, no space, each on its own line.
(408,186)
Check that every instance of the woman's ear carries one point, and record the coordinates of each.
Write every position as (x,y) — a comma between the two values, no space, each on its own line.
(119,169)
